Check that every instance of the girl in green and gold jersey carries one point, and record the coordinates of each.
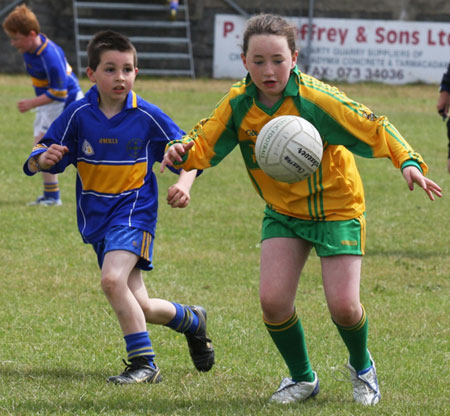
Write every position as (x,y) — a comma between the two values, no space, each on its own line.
(325,211)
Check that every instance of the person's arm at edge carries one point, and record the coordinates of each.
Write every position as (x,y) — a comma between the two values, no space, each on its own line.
(30,103)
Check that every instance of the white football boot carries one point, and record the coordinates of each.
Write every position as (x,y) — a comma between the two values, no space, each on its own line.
(365,384)
(290,391)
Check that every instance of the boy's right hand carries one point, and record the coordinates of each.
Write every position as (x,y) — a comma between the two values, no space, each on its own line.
(175,154)
(443,104)
(51,156)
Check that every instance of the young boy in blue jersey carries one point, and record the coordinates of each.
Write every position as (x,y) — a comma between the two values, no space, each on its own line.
(55,85)
(114,137)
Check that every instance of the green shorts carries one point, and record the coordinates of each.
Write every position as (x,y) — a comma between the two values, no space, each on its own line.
(329,238)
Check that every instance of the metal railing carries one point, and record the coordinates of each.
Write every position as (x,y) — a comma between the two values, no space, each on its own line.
(9,7)
(181,36)
(236,7)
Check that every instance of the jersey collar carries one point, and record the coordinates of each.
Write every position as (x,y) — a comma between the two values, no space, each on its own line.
(291,89)
(44,44)
(293,83)
(130,102)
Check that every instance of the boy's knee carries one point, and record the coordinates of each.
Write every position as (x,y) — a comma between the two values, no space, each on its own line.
(109,282)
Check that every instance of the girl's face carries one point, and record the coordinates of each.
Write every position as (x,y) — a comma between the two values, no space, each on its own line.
(269,62)
(114,76)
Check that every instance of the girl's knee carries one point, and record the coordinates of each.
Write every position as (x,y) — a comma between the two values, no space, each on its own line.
(275,309)
(346,314)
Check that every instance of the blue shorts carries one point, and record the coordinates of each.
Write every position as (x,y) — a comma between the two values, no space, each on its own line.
(131,239)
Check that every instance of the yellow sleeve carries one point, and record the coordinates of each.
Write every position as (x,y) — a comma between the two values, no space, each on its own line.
(215,137)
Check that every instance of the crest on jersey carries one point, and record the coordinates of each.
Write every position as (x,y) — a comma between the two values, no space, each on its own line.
(87,149)
(369,116)
(134,147)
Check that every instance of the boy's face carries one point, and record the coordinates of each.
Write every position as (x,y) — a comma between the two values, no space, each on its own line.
(23,43)
(114,76)
(269,62)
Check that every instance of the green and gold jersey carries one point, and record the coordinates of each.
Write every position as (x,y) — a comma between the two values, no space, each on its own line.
(334,191)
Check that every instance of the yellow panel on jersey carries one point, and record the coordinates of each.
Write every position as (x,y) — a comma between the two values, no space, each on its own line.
(39,83)
(58,93)
(111,179)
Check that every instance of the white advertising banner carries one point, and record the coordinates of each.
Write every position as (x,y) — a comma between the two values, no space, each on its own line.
(352,50)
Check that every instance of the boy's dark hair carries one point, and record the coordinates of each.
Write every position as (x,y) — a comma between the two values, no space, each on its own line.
(21,20)
(269,24)
(108,40)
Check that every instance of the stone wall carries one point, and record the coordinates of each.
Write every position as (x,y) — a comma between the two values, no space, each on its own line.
(56,18)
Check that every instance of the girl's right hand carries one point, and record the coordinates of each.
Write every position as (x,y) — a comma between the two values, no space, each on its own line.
(175,153)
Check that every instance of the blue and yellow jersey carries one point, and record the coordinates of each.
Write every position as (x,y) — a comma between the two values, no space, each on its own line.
(50,72)
(445,83)
(334,191)
(114,159)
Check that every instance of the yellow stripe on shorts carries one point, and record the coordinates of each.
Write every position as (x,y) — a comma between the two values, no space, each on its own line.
(145,247)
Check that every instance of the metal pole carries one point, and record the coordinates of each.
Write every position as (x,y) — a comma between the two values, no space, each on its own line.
(309,42)
(11,6)
(77,40)
(236,7)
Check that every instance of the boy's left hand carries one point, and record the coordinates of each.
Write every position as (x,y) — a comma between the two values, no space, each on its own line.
(24,105)
(413,175)
(178,196)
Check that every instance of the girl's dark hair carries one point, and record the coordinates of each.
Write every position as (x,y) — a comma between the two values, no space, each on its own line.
(269,24)
(108,40)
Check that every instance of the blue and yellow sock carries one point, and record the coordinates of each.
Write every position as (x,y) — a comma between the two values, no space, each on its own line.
(139,345)
(185,319)
(51,190)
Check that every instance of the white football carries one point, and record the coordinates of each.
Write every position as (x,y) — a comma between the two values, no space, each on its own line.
(288,149)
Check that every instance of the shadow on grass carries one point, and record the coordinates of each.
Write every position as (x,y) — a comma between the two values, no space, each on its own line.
(411,254)
(48,373)
(149,406)
(68,391)
(161,404)
(16,203)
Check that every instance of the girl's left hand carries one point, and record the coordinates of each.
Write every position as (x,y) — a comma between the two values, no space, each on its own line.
(413,175)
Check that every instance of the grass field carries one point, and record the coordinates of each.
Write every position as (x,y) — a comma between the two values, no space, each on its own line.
(59,338)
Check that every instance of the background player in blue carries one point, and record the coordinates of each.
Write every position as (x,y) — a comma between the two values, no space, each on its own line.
(443,106)
(54,83)
(113,137)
